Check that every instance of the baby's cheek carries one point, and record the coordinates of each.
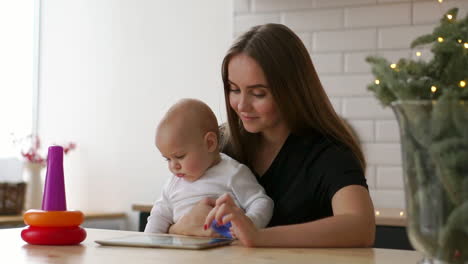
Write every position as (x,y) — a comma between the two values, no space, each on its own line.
(195,166)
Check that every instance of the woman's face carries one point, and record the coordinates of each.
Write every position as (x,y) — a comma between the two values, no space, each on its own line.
(250,96)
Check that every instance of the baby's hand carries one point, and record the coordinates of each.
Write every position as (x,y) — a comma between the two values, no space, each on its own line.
(242,227)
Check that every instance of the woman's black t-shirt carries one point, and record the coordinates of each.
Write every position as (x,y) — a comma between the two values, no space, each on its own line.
(305,175)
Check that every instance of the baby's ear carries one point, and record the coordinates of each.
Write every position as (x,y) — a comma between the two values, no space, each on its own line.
(211,141)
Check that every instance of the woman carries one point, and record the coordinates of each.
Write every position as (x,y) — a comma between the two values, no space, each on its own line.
(282,125)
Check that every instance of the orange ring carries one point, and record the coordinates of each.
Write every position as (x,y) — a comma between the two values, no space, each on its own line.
(53,218)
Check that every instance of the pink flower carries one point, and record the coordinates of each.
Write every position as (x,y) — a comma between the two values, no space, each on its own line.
(32,154)
(69,147)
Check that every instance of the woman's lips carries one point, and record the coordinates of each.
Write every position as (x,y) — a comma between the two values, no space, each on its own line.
(248,118)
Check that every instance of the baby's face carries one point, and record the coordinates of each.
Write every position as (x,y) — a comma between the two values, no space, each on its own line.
(187,158)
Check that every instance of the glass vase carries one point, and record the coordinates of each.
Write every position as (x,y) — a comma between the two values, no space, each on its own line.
(434,139)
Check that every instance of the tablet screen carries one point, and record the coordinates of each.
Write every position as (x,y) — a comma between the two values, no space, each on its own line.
(165,241)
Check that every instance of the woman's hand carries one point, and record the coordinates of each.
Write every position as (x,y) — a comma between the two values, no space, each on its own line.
(191,224)
(243,228)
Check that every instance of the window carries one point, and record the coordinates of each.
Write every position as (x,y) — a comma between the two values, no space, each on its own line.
(18,71)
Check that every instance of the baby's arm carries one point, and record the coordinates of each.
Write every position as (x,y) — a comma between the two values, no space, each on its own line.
(161,215)
(252,197)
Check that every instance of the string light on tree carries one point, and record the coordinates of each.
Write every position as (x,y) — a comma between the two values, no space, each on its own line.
(449,16)
(377,82)
(440,1)
(444,65)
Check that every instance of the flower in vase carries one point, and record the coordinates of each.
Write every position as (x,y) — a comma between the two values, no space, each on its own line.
(32,153)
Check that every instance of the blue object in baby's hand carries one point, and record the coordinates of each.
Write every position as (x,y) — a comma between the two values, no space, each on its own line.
(222,229)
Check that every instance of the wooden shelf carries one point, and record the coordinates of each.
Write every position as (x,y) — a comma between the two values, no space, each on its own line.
(390,217)
(383,216)
(18,219)
(144,208)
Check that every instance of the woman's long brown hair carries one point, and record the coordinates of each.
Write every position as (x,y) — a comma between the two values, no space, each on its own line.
(295,87)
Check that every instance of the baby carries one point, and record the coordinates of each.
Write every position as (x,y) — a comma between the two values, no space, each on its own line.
(188,138)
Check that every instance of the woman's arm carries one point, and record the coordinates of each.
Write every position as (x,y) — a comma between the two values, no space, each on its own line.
(353,224)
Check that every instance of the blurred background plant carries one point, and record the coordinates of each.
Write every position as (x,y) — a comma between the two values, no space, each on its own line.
(445,75)
(430,101)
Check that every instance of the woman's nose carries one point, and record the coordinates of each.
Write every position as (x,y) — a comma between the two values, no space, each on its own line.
(242,104)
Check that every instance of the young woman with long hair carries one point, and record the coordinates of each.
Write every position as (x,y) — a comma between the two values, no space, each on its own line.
(282,125)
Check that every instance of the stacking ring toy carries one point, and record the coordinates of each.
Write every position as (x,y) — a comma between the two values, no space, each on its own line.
(41,218)
(53,225)
(53,235)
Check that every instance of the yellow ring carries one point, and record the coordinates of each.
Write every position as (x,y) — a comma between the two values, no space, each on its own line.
(53,218)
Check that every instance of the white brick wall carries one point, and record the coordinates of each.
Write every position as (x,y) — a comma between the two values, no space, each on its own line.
(314,20)
(354,62)
(389,178)
(328,62)
(401,37)
(339,34)
(429,11)
(378,15)
(387,131)
(343,40)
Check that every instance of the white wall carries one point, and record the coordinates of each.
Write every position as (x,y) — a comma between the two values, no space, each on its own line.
(16,67)
(339,34)
(108,70)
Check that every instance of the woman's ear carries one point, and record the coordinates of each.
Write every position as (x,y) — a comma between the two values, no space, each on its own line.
(211,141)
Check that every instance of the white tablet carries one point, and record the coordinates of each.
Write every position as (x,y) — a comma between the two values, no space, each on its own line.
(165,241)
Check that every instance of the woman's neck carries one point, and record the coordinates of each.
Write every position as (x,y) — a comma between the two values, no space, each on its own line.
(270,144)
(275,137)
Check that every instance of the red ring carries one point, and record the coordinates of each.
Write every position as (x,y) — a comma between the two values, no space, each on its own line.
(53,218)
(53,235)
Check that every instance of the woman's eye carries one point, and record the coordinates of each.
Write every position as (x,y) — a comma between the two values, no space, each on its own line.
(259,95)
(234,90)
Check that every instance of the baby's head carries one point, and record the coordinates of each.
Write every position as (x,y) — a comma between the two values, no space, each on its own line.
(187,137)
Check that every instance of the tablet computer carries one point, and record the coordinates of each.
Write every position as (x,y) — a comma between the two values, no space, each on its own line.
(165,241)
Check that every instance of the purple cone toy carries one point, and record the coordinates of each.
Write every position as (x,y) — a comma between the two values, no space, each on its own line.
(54,189)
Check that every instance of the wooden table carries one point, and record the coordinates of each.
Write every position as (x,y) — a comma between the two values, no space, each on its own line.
(15,250)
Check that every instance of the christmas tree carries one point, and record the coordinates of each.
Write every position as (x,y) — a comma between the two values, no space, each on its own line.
(446,74)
